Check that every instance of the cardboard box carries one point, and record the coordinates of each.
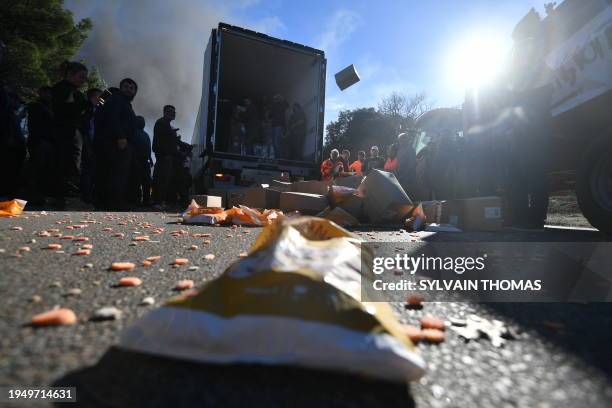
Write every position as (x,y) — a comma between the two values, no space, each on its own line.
(433,211)
(350,181)
(474,214)
(209,201)
(281,185)
(261,198)
(452,213)
(339,216)
(218,193)
(482,214)
(384,199)
(311,187)
(303,202)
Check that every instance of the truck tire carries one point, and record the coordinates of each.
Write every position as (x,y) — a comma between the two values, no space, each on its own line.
(594,184)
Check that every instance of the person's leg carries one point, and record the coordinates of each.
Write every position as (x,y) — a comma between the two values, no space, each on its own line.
(146,183)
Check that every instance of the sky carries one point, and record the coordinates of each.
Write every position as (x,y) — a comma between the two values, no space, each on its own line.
(405,46)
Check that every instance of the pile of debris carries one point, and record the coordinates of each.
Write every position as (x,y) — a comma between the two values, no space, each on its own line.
(377,199)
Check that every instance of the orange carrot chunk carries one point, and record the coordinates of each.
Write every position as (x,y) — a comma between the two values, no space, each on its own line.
(130,281)
(432,322)
(122,266)
(54,318)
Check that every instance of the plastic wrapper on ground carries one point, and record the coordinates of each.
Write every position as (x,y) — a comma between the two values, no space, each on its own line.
(12,208)
(295,300)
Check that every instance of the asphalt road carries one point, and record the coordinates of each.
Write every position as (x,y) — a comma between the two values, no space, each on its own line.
(568,363)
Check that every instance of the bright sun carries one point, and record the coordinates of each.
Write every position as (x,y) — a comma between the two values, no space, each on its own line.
(476,60)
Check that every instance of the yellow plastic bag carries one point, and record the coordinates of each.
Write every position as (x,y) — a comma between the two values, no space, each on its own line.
(11,208)
(294,300)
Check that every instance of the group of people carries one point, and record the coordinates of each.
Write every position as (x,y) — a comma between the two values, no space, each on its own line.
(264,129)
(90,145)
(401,161)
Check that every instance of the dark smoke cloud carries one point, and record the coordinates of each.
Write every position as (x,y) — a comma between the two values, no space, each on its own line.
(160,44)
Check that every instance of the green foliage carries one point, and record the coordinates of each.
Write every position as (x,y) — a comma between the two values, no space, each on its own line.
(95,80)
(363,128)
(39,35)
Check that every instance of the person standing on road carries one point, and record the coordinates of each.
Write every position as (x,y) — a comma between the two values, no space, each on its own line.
(165,148)
(278,115)
(406,162)
(374,161)
(332,167)
(68,105)
(357,166)
(391,163)
(140,174)
(116,126)
(40,146)
(88,156)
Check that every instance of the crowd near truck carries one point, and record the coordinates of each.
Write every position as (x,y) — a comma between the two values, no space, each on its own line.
(241,65)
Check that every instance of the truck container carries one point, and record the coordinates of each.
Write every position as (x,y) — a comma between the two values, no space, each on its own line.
(234,140)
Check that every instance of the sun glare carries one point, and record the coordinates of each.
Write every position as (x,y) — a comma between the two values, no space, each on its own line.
(476,60)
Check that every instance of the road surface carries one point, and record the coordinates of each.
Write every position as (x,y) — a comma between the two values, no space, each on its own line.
(566,363)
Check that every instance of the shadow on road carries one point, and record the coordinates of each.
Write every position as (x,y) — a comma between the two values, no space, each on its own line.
(123,378)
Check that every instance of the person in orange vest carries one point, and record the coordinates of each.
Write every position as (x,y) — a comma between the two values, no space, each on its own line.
(332,167)
(391,163)
(357,165)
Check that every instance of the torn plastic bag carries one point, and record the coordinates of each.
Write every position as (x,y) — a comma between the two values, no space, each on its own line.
(12,208)
(294,300)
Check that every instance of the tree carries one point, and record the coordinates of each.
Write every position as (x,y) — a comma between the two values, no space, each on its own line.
(362,128)
(95,80)
(403,110)
(39,35)
(359,129)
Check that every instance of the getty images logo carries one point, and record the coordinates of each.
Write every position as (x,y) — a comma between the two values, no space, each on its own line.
(414,264)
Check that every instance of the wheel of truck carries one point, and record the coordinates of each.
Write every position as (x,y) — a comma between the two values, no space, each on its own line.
(594,184)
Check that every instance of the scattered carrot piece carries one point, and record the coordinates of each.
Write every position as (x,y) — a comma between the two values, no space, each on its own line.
(70,237)
(82,252)
(140,238)
(122,266)
(433,335)
(54,246)
(243,254)
(432,322)
(130,281)
(181,261)
(413,333)
(209,257)
(154,258)
(55,318)
(107,229)
(184,284)
(146,263)
(17,228)
(24,249)
(193,247)
(119,235)
(81,239)
(415,301)
(87,246)
(207,241)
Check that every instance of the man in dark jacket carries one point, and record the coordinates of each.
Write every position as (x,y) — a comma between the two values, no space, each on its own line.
(374,161)
(140,176)
(68,105)
(406,162)
(115,126)
(88,157)
(12,145)
(165,149)
(40,146)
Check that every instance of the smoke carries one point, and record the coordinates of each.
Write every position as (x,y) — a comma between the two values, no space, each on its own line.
(160,44)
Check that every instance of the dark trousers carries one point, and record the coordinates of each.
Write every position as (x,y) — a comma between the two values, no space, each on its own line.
(140,182)
(68,163)
(11,165)
(116,174)
(162,177)
(42,157)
